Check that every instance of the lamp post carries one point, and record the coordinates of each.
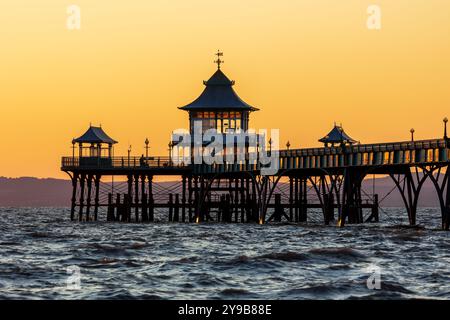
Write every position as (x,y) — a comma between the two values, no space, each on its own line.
(445,127)
(170,145)
(73,148)
(146,147)
(288,144)
(412,134)
(257,149)
(129,152)
(270,146)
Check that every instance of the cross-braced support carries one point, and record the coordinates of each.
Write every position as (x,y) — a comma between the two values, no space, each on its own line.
(409,183)
(441,183)
(327,188)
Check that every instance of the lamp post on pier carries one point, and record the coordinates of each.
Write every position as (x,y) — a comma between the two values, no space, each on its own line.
(445,127)
(146,147)
(270,146)
(288,144)
(257,150)
(129,152)
(170,145)
(73,149)
(412,134)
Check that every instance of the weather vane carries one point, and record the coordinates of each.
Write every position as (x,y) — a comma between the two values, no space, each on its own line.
(219,61)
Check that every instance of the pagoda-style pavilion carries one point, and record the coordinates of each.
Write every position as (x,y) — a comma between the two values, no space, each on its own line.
(219,107)
(96,139)
(336,137)
(94,147)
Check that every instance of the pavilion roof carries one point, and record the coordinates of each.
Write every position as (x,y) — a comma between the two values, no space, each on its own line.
(218,95)
(95,135)
(337,135)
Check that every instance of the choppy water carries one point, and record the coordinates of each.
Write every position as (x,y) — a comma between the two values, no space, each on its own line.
(224,261)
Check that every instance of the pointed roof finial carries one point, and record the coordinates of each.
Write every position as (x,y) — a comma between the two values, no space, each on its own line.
(219,61)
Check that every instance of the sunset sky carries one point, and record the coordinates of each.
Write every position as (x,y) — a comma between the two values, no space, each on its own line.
(304,63)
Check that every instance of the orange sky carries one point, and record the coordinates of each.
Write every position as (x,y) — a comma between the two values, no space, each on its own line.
(305,63)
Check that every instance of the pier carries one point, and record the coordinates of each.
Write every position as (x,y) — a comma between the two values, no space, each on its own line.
(327,178)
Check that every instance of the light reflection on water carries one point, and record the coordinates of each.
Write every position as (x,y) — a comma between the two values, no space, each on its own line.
(220,261)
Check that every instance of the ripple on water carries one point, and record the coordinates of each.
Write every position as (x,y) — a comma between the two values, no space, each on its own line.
(236,293)
(340,253)
(286,256)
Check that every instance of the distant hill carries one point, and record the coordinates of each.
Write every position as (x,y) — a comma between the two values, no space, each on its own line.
(34,192)
(385,188)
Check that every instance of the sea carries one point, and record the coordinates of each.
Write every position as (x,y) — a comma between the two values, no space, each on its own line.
(43,255)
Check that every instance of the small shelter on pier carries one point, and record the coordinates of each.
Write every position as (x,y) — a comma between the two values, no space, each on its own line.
(336,137)
(94,143)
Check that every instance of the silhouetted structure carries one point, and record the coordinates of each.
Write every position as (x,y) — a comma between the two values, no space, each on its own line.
(238,192)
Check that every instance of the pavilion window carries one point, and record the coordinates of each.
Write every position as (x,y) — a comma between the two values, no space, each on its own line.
(207,119)
(225,125)
(232,124)
(238,124)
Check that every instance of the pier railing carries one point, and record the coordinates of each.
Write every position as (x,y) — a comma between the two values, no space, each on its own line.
(373,147)
(408,152)
(120,163)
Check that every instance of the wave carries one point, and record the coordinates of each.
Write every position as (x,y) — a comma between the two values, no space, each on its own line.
(235,292)
(220,261)
(188,259)
(394,287)
(39,235)
(266,259)
(337,252)
(286,256)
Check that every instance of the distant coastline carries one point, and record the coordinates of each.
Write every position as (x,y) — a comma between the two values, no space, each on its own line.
(50,192)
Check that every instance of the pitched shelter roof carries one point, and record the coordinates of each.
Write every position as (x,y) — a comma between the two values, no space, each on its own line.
(95,135)
(218,95)
(337,135)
